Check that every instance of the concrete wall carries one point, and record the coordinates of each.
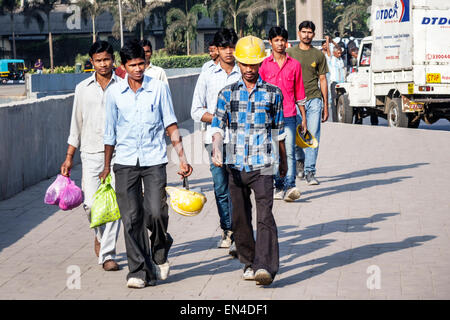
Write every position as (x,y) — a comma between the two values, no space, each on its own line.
(33,135)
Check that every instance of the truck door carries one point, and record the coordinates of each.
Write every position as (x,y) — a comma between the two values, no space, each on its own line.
(364,79)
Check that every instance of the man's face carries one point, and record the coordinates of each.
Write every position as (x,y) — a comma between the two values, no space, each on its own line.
(148,54)
(324,46)
(103,63)
(226,54)
(337,53)
(278,44)
(135,68)
(354,54)
(249,71)
(213,52)
(306,35)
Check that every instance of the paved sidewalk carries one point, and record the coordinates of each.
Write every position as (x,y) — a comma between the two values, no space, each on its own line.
(377,227)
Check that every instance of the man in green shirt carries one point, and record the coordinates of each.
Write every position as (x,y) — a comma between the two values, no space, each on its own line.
(314,70)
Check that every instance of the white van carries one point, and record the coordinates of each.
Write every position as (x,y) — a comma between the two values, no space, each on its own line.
(403,69)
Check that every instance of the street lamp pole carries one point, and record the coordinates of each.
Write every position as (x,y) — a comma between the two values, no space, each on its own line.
(121,26)
(285,15)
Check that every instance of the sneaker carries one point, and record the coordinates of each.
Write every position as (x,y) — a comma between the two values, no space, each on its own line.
(249,274)
(292,194)
(135,283)
(311,179)
(162,270)
(226,241)
(233,252)
(263,277)
(278,194)
(301,169)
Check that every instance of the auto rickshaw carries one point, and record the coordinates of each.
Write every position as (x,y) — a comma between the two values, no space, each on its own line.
(12,69)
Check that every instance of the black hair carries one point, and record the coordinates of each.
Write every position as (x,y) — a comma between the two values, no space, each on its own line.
(308,25)
(131,50)
(278,31)
(101,46)
(212,44)
(225,38)
(324,41)
(146,43)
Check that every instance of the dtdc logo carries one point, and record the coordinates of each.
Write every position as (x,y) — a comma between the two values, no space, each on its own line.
(394,13)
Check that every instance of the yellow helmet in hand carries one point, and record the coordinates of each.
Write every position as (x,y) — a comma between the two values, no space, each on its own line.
(306,140)
(186,202)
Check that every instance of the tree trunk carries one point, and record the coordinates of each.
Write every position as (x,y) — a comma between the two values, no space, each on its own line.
(13,35)
(50,45)
(142,30)
(94,36)
(278,17)
(187,42)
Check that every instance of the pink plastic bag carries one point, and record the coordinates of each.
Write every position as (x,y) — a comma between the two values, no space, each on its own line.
(53,193)
(71,196)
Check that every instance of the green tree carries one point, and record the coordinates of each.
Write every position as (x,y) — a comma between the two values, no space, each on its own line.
(32,10)
(354,17)
(231,10)
(92,9)
(184,22)
(137,11)
(11,7)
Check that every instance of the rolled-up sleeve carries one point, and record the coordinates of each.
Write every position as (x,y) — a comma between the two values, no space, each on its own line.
(76,122)
(166,105)
(278,119)
(198,108)
(109,138)
(220,115)
(300,97)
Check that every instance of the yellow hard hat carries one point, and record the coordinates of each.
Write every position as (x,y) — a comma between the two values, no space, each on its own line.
(185,202)
(307,140)
(250,50)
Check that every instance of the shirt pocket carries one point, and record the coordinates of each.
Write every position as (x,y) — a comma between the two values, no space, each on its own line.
(150,113)
(289,83)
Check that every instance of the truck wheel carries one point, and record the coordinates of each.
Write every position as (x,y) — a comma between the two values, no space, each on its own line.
(344,111)
(395,116)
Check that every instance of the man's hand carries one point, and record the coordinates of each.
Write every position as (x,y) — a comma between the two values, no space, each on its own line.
(66,166)
(283,168)
(185,170)
(325,113)
(104,174)
(304,126)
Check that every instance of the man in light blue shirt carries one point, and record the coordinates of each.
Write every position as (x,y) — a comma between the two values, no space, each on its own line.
(139,111)
(214,55)
(204,104)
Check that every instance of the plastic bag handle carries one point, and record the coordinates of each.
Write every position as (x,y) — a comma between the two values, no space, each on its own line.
(107,180)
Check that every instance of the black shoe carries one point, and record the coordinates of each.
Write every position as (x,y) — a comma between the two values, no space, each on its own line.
(311,179)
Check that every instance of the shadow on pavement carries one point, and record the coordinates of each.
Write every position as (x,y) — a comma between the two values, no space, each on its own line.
(353,186)
(366,172)
(26,210)
(345,257)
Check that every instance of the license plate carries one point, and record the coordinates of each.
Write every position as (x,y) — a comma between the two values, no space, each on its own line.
(433,78)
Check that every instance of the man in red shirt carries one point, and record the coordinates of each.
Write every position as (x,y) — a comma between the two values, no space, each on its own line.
(286,73)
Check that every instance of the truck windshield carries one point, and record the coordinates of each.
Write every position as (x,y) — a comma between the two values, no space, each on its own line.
(365,55)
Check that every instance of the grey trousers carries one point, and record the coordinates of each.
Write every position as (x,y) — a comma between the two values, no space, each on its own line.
(92,165)
(141,212)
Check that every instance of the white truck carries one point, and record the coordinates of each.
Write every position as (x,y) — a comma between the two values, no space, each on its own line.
(403,71)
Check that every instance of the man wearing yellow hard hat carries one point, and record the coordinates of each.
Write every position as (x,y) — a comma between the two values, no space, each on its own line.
(252,110)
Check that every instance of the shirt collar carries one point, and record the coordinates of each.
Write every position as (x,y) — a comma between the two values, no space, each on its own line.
(258,82)
(218,68)
(93,79)
(145,84)
(271,59)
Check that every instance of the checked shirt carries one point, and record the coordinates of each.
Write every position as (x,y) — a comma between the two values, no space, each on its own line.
(255,121)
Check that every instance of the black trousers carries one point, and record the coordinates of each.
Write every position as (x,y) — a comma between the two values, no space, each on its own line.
(264,252)
(140,212)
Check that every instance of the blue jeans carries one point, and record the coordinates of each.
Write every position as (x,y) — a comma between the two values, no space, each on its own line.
(290,127)
(313,110)
(221,192)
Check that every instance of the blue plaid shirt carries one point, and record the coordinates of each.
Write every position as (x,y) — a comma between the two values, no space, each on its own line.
(255,121)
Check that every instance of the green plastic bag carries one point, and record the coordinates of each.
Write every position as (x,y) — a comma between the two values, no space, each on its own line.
(104,208)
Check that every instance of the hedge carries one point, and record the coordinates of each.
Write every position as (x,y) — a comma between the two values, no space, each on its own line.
(168,62)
